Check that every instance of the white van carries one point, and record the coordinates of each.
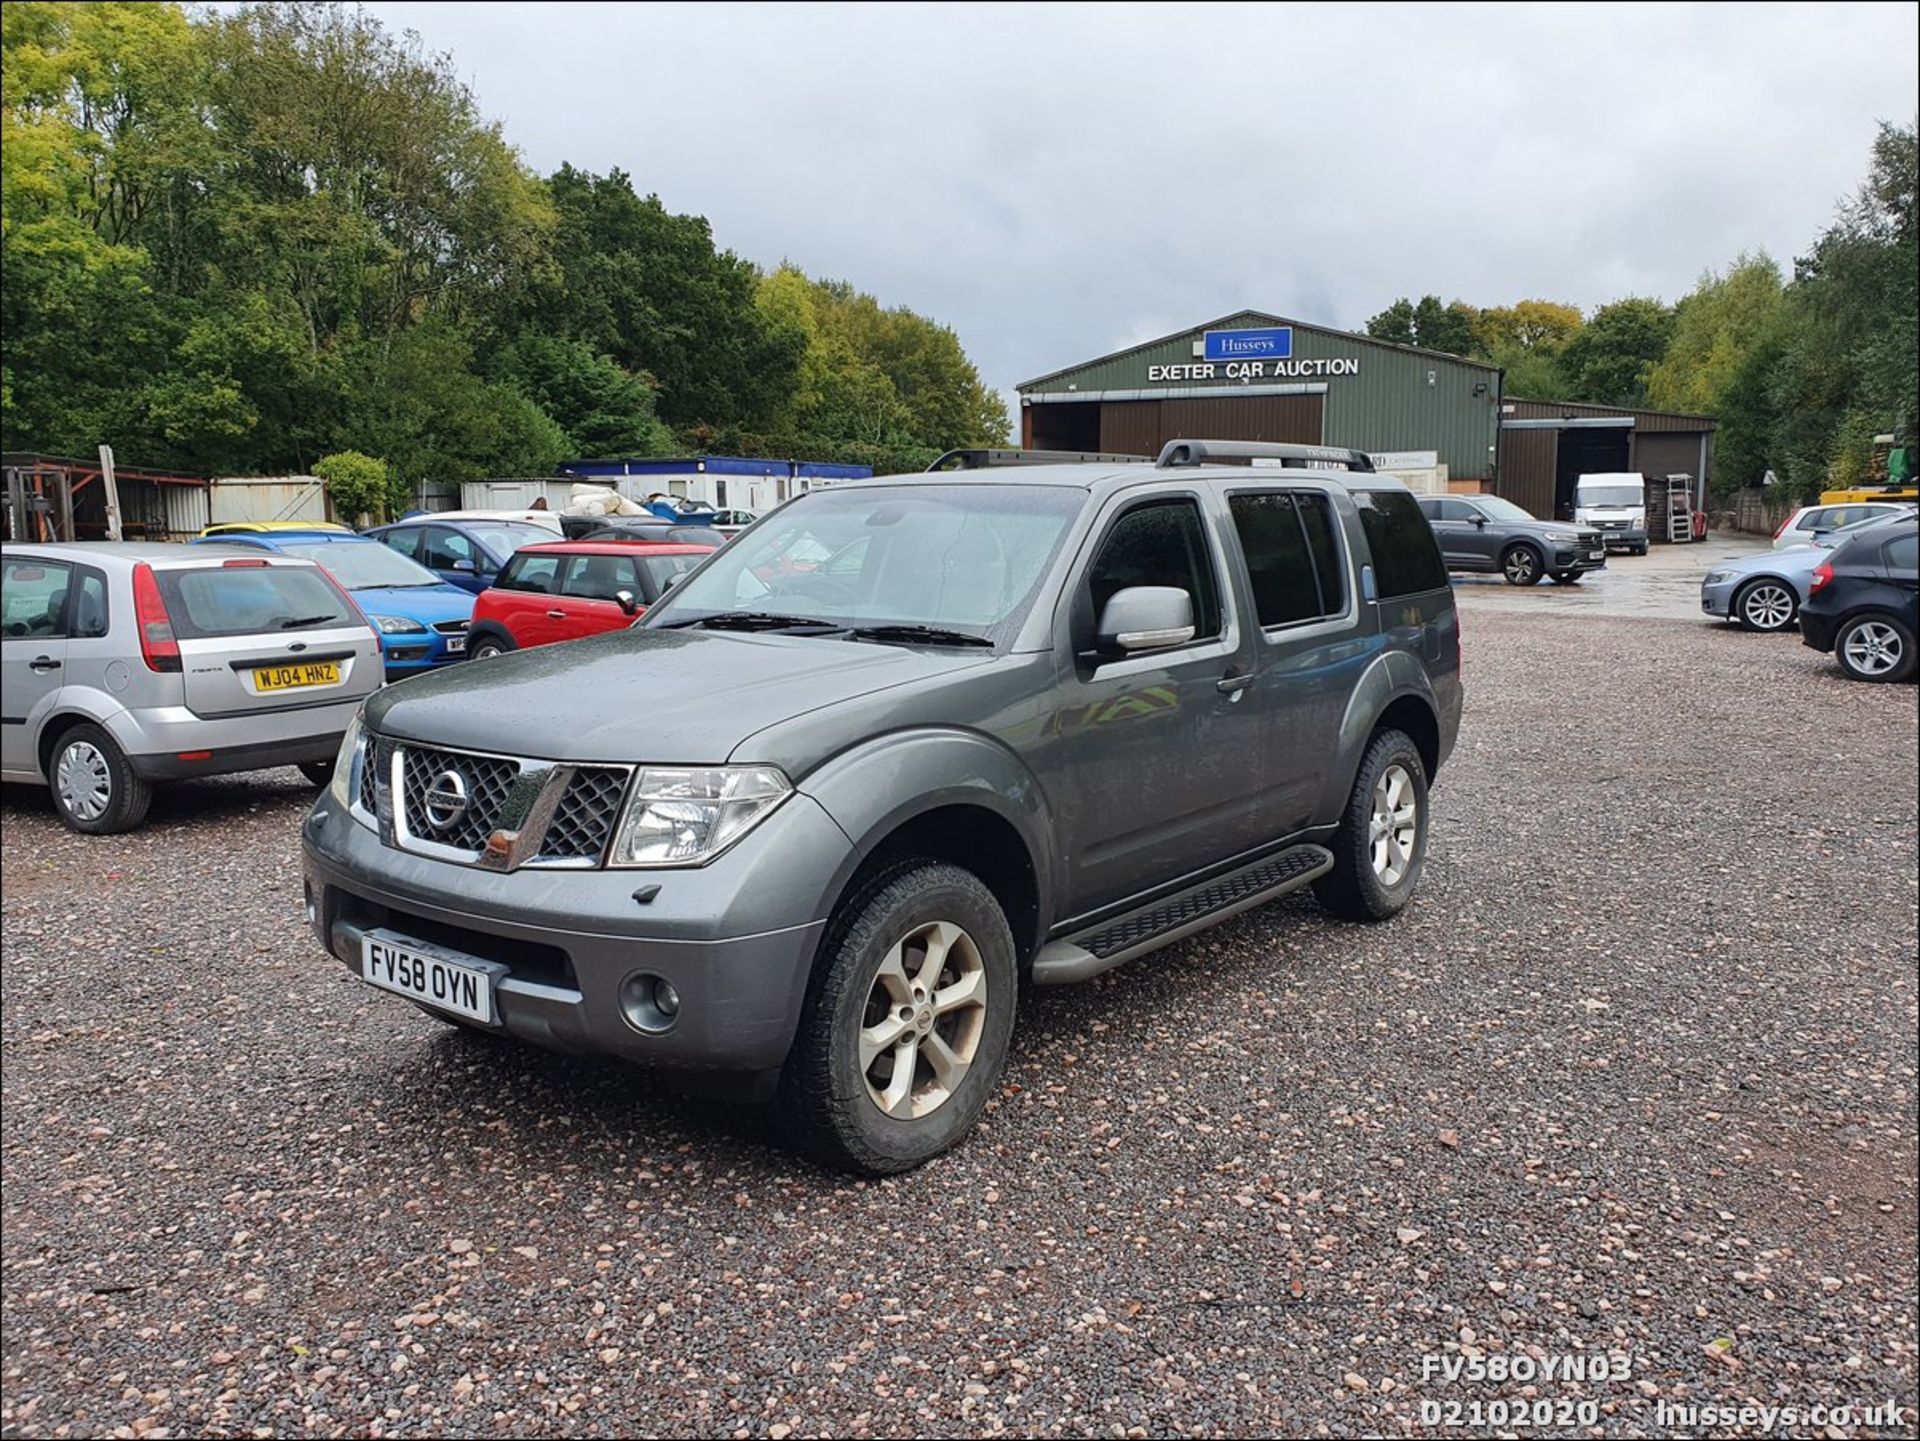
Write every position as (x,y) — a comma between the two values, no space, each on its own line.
(1615,504)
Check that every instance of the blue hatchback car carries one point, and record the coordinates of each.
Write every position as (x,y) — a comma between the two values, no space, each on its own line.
(462,551)
(421,619)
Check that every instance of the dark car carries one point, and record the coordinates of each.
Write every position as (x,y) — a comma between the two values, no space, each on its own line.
(1490,533)
(654,531)
(466,553)
(819,823)
(574,588)
(1863,603)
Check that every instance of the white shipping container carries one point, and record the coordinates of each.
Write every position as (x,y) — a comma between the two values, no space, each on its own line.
(268,497)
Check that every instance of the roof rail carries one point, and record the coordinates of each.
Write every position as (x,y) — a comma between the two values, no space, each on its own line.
(1200,452)
(981,459)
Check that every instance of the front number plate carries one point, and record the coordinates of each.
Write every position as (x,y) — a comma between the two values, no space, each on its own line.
(426,974)
(456,645)
(292,677)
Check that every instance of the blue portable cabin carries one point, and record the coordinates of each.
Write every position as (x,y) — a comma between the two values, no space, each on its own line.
(712,482)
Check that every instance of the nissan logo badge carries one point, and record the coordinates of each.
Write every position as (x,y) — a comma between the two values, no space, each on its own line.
(446,800)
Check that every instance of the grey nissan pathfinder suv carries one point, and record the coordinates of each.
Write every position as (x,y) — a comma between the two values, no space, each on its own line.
(903,746)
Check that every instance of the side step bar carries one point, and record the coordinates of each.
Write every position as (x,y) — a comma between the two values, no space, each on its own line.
(1114,942)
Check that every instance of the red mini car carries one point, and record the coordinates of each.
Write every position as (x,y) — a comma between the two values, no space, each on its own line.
(573,588)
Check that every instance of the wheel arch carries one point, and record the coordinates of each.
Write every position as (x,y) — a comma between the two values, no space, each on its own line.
(492,630)
(1395,693)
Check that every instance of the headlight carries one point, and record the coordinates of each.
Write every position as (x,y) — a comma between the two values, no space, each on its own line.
(1561,537)
(395,624)
(1714,577)
(345,784)
(687,815)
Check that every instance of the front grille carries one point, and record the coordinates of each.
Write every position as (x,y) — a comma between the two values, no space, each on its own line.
(369,771)
(452,627)
(486,780)
(586,815)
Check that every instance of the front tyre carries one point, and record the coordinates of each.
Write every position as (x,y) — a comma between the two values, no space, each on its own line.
(907,1023)
(1381,845)
(94,789)
(1521,565)
(486,648)
(1875,648)
(318,773)
(1765,605)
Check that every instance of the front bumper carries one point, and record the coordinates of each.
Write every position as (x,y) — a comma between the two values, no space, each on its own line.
(1629,538)
(1575,559)
(1717,600)
(736,938)
(408,653)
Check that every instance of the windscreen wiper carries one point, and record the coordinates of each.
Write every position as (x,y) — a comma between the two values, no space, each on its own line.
(764,620)
(307,620)
(921,634)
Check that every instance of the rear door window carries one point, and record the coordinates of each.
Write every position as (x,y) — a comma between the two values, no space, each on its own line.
(33,599)
(1160,543)
(406,540)
(1406,559)
(1292,556)
(214,601)
(533,572)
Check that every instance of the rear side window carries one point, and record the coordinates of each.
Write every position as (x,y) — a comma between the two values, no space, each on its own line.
(1292,557)
(601,577)
(1903,554)
(530,572)
(33,599)
(1406,559)
(1161,543)
(224,600)
(663,570)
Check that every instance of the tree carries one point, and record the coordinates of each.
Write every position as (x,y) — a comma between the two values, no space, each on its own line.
(604,410)
(358,484)
(1714,328)
(1394,324)
(1428,325)
(1607,361)
(1533,327)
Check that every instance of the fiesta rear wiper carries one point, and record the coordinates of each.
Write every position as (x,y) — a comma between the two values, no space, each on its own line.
(923,634)
(307,620)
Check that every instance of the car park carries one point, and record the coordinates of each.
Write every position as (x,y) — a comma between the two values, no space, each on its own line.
(571,589)
(1488,533)
(1863,603)
(128,664)
(818,831)
(466,552)
(422,620)
(1813,522)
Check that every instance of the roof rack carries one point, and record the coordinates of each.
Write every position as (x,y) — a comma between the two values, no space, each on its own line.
(1201,452)
(982,459)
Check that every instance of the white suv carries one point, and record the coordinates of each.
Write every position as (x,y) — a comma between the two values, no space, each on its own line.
(121,665)
(1813,523)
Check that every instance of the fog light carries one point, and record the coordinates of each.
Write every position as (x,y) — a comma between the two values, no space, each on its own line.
(650,1003)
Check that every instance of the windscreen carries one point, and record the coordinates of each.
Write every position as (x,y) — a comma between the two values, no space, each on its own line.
(960,557)
(504,537)
(251,600)
(1610,495)
(1500,508)
(363,567)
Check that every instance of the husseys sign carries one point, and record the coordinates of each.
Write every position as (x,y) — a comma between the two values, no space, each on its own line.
(1263,354)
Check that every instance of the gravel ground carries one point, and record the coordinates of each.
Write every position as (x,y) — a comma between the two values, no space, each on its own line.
(1636,1074)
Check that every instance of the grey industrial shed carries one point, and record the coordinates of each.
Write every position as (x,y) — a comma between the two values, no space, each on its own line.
(1255,376)
(1545,445)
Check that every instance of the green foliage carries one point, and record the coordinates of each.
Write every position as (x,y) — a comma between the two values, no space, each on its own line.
(1428,324)
(1714,328)
(358,484)
(238,239)
(1609,358)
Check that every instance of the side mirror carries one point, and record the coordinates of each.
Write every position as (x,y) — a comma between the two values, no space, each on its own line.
(1480,522)
(1142,618)
(465,566)
(624,599)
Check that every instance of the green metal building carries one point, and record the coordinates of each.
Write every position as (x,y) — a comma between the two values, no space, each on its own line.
(1253,376)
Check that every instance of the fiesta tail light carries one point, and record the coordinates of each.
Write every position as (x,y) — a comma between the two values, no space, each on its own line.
(158,646)
(1822,578)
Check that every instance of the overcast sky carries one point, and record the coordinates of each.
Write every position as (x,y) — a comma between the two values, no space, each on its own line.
(1057,182)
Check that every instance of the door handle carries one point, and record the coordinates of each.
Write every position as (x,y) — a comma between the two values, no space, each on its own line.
(556,615)
(43,662)
(1234,684)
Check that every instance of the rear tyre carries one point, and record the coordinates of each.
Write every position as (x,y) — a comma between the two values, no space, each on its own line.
(94,789)
(906,1024)
(486,648)
(1521,565)
(1875,648)
(317,772)
(1381,845)
(1766,605)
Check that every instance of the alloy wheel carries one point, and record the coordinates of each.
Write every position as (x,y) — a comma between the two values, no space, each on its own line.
(84,780)
(1393,825)
(1873,647)
(923,1022)
(1767,606)
(1521,567)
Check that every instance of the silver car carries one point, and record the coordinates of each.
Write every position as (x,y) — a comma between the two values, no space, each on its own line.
(122,665)
(1765,592)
